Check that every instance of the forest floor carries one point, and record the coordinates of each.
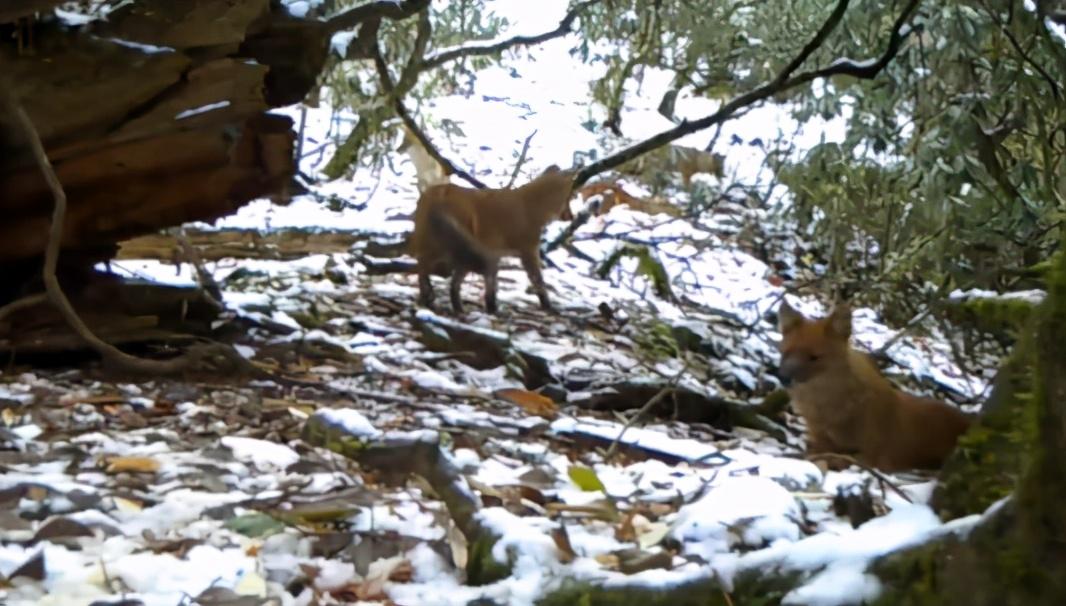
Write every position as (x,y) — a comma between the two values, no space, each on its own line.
(165,492)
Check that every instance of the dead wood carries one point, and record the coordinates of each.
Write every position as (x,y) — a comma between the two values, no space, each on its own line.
(683,404)
(482,348)
(420,454)
(196,355)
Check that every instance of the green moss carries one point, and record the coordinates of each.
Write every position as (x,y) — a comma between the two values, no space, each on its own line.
(990,457)
(752,588)
(481,567)
(994,315)
(307,320)
(1015,556)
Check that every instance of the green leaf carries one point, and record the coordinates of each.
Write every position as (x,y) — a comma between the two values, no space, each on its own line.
(586,479)
(254,525)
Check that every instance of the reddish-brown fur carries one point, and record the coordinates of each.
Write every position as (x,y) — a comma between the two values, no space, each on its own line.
(466,230)
(850,408)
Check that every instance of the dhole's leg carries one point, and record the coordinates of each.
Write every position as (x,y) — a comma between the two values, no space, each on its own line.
(490,291)
(425,287)
(458,275)
(818,443)
(531,263)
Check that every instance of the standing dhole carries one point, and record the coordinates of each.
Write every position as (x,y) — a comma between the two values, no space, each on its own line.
(850,408)
(465,230)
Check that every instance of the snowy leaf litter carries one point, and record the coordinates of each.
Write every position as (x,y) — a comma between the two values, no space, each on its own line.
(236,504)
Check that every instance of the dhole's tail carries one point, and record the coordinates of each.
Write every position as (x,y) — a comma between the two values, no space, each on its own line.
(466,251)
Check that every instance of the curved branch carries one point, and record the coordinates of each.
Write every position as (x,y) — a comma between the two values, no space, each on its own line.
(196,356)
(784,81)
(494,48)
(396,100)
(389,9)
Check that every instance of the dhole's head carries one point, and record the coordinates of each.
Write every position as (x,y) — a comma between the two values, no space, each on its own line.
(811,347)
(558,180)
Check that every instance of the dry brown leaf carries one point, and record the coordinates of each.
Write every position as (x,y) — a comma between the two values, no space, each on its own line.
(608,560)
(562,542)
(113,398)
(530,401)
(625,532)
(132,465)
(402,573)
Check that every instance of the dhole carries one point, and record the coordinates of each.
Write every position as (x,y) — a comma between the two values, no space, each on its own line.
(675,158)
(612,194)
(850,408)
(428,170)
(467,230)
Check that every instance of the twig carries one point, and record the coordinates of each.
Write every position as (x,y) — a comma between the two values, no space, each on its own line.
(390,89)
(821,456)
(20,304)
(565,27)
(391,9)
(1018,47)
(521,159)
(784,81)
(658,397)
(206,280)
(883,350)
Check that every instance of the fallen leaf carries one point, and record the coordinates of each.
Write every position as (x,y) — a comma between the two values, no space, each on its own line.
(585,478)
(608,560)
(128,505)
(562,542)
(530,401)
(61,528)
(32,568)
(652,534)
(131,465)
(223,596)
(254,525)
(458,545)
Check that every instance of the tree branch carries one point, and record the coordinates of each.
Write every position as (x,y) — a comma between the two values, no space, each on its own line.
(396,100)
(784,81)
(389,9)
(494,48)
(521,159)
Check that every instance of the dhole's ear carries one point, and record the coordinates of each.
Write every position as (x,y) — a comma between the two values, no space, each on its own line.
(840,320)
(787,317)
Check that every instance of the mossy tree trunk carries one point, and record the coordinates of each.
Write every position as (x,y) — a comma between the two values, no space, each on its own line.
(1014,556)
(1017,554)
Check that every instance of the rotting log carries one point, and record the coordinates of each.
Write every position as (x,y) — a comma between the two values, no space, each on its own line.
(681,403)
(482,348)
(140,137)
(419,454)
(154,117)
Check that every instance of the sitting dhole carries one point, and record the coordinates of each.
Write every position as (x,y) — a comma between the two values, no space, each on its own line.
(850,408)
(467,230)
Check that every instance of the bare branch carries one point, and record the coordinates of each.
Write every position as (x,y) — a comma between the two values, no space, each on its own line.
(816,42)
(396,96)
(857,69)
(521,159)
(20,304)
(388,9)
(565,27)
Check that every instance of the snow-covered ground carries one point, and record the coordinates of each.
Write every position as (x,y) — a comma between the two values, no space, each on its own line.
(166,490)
